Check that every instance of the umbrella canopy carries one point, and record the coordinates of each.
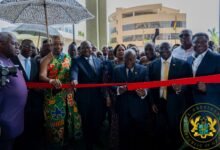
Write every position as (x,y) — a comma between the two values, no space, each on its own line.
(45,12)
(33,11)
(35,29)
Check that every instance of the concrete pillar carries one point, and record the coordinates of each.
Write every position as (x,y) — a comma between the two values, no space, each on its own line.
(96,29)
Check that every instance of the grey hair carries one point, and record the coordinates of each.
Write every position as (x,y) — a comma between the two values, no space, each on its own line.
(129,52)
(85,42)
(5,36)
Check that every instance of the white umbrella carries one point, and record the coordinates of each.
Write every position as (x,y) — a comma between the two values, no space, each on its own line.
(45,12)
(35,29)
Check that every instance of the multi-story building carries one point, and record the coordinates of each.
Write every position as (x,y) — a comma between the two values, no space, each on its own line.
(136,25)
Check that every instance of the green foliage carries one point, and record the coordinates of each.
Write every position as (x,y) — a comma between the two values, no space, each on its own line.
(214,35)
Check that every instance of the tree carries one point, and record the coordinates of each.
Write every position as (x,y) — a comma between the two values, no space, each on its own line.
(214,35)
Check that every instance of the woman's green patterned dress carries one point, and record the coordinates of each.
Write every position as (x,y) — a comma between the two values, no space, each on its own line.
(62,119)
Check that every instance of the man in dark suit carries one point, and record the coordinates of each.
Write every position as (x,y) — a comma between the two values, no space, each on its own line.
(88,69)
(33,128)
(205,62)
(131,106)
(168,102)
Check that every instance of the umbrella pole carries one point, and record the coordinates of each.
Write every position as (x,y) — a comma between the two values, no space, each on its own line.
(46,21)
(38,41)
(74,40)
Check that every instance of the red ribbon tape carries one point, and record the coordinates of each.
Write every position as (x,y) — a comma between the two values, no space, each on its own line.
(138,85)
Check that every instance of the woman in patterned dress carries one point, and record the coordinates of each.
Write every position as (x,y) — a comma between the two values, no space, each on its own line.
(62,120)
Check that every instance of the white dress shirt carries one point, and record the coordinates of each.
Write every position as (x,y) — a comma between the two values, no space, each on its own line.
(22,61)
(181,53)
(197,61)
(90,60)
(162,71)
(132,70)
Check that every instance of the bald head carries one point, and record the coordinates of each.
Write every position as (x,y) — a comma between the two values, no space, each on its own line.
(130,58)
(5,36)
(7,44)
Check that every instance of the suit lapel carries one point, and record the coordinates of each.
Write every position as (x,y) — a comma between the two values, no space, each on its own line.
(95,65)
(172,68)
(158,70)
(33,67)
(86,67)
(204,64)
(17,62)
(135,73)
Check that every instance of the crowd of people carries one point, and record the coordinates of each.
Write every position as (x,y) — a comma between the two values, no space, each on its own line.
(57,118)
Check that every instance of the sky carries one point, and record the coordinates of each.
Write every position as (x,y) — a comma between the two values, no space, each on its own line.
(201,14)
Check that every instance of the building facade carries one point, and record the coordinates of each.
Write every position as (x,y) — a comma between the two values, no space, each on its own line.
(137,25)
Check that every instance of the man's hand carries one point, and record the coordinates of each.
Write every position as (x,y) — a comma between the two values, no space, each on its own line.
(202,87)
(140,92)
(122,89)
(154,108)
(177,87)
(56,83)
(74,83)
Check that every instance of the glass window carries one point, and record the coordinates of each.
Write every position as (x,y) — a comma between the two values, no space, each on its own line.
(128,38)
(128,27)
(113,40)
(127,15)
(113,30)
(138,37)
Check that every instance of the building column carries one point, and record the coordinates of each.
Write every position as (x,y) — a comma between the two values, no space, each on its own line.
(96,28)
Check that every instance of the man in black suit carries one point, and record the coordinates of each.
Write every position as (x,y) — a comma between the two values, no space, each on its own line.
(205,62)
(131,106)
(168,102)
(88,69)
(33,127)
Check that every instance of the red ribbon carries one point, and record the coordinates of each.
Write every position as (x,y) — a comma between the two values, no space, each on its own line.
(138,85)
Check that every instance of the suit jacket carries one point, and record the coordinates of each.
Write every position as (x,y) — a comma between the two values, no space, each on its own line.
(129,101)
(34,69)
(88,99)
(175,103)
(209,65)
(34,104)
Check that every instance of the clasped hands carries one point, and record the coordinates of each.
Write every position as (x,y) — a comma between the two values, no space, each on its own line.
(123,89)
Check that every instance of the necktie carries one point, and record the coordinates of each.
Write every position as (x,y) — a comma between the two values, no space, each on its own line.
(165,77)
(27,68)
(129,75)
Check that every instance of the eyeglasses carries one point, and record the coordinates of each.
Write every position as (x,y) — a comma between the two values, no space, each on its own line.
(184,35)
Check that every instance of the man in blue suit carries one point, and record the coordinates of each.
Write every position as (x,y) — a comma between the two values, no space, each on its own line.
(168,103)
(87,69)
(205,62)
(131,106)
